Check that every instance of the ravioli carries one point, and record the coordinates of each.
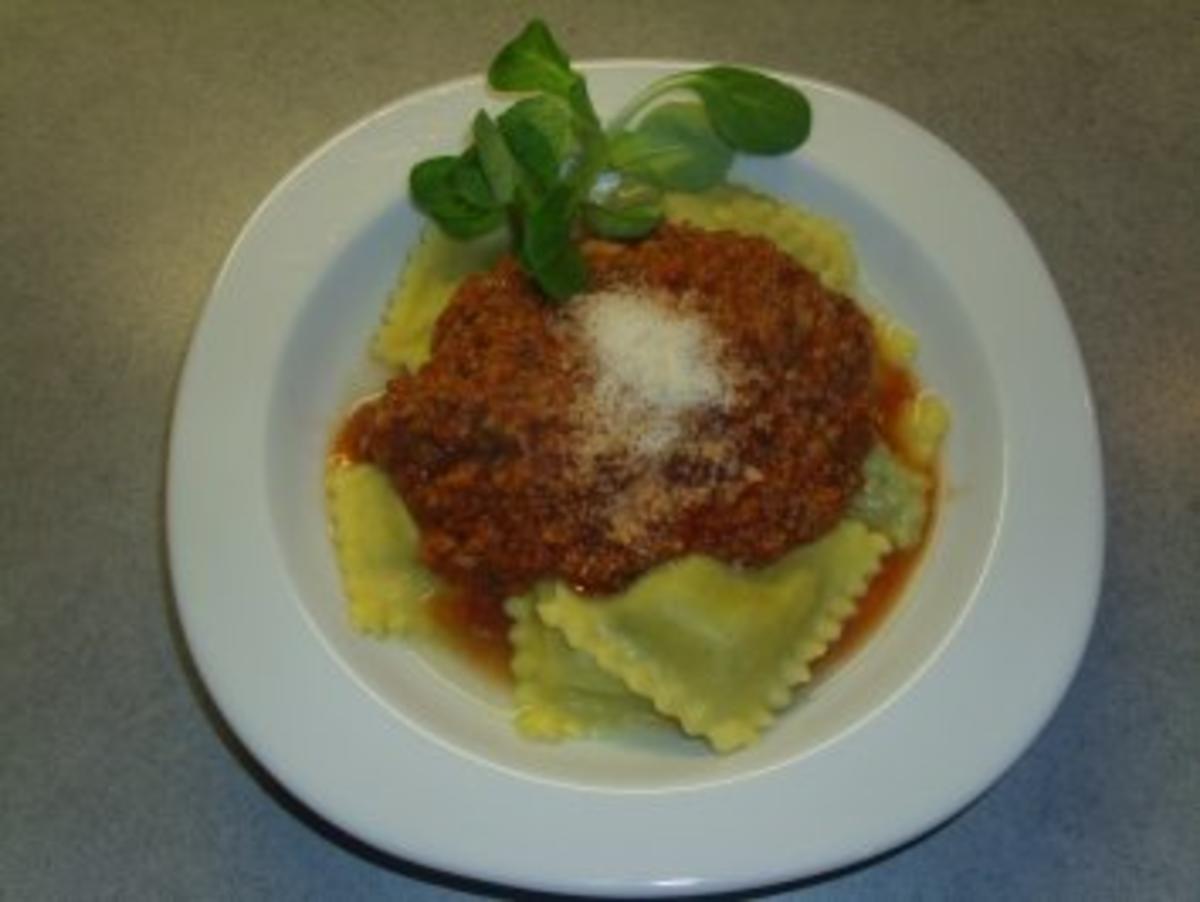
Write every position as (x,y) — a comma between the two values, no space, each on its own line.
(562,693)
(377,550)
(720,648)
(894,499)
(924,421)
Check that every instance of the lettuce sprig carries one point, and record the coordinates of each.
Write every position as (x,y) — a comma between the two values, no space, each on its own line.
(550,171)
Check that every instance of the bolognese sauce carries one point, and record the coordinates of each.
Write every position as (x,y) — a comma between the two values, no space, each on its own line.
(486,445)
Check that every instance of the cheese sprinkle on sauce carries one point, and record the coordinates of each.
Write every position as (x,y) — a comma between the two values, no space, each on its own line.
(653,366)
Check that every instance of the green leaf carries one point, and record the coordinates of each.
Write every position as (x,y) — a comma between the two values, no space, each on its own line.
(564,276)
(628,209)
(533,61)
(585,167)
(494,159)
(675,147)
(470,182)
(581,103)
(539,133)
(548,226)
(538,164)
(751,111)
(433,189)
(547,247)
(622,224)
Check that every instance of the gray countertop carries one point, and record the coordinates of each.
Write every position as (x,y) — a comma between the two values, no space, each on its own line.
(138,137)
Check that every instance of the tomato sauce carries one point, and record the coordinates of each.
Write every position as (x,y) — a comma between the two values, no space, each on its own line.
(880,599)
(350,443)
(475,626)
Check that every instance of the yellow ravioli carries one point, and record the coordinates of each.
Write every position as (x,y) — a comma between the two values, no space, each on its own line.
(377,548)
(721,648)
(894,498)
(561,693)
(923,424)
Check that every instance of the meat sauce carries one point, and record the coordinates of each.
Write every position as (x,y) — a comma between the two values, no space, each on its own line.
(493,515)
(486,447)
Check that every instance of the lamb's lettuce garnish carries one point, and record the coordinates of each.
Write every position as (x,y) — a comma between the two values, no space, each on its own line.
(548,169)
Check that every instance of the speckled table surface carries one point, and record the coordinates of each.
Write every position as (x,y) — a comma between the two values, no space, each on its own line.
(137,138)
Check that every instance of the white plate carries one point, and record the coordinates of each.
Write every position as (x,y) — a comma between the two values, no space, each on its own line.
(415,755)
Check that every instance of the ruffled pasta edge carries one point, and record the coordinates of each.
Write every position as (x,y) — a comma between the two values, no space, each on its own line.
(381,600)
(549,715)
(647,680)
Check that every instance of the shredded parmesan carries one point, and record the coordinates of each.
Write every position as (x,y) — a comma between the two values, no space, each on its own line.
(653,366)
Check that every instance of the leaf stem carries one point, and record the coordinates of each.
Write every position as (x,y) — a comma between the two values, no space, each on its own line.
(644,97)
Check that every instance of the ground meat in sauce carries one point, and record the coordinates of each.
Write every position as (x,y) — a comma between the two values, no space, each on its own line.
(481,443)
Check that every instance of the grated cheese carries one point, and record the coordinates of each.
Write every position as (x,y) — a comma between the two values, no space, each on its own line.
(653,366)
